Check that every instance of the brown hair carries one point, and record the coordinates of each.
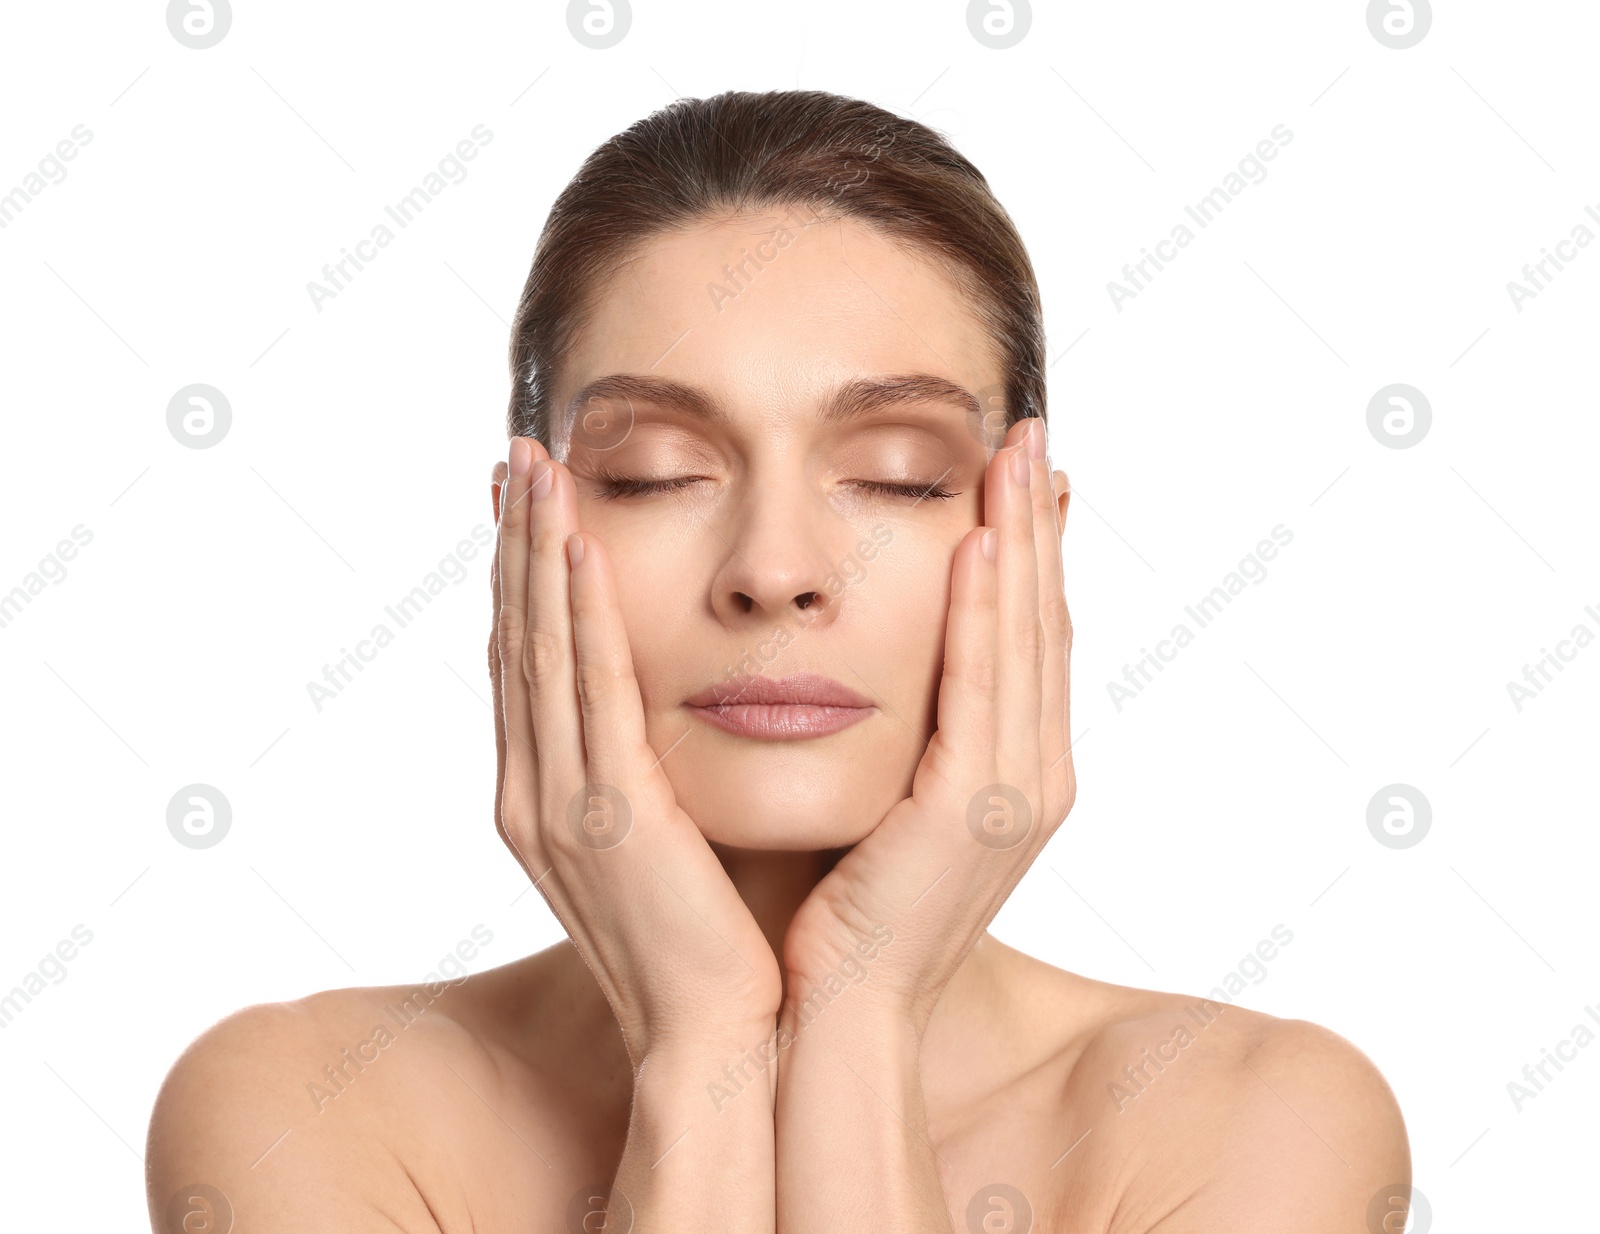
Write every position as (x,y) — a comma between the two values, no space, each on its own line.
(742,150)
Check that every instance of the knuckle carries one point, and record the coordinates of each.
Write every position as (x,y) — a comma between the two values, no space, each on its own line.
(542,657)
(525,848)
(508,629)
(1060,786)
(1029,641)
(942,761)
(597,681)
(1061,802)
(983,676)
(513,513)
(1057,620)
(549,543)
(515,824)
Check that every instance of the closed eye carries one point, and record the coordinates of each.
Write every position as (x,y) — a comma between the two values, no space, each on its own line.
(917,491)
(612,486)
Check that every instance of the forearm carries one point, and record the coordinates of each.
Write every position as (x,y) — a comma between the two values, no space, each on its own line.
(693,1161)
(852,1137)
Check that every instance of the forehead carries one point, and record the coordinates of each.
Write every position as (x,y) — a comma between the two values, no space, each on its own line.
(768,314)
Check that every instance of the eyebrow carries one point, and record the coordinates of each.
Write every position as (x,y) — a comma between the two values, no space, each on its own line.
(852,400)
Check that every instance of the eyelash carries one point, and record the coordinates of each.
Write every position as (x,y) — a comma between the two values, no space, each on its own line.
(614,486)
(936,493)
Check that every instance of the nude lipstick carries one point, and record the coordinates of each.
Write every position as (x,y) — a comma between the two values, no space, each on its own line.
(780,709)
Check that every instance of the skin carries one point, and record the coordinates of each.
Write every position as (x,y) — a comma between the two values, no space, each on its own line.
(821,904)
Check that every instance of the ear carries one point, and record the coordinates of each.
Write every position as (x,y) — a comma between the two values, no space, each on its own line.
(1062,488)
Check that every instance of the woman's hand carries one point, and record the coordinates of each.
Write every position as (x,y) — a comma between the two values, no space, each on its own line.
(995,781)
(582,800)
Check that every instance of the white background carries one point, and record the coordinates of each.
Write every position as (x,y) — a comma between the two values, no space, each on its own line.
(1227,398)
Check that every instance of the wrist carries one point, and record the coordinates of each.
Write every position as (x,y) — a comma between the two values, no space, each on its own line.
(883,1050)
(845,973)
(711,1072)
(691,1047)
(875,1020)
(695,1053)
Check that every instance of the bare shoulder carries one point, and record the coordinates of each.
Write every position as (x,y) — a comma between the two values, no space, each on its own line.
(318,1114)
(1217,1115)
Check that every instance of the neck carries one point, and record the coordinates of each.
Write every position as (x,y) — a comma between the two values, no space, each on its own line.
(773,885)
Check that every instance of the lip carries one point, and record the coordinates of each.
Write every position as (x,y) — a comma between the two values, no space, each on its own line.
(780,709)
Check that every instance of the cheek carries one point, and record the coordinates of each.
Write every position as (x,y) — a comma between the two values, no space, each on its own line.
(904,603)
(662,601)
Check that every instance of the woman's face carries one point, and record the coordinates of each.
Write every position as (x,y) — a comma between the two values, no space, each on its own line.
(778,375)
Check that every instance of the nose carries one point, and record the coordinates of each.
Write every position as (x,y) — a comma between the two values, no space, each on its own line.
(780,562)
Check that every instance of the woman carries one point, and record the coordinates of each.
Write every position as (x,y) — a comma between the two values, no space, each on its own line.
(780,668)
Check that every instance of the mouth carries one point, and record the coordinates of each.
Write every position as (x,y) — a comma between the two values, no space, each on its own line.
(780,709)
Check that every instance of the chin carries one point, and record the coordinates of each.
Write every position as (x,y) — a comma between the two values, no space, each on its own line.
(803,804)
(742,834)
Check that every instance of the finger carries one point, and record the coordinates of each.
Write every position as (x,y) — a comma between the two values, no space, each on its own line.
(1009,509)
(499,482)
(1054,738)
(1062,485)
(497,479)
(548,657)
(615,746)
(496,482)
(519,778)
(966,722)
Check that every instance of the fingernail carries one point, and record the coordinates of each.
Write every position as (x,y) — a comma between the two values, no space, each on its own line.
(497,474)
(575,549)
(1020,467)
(1036,437)
(543,480)
(990,543)
(519,457)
